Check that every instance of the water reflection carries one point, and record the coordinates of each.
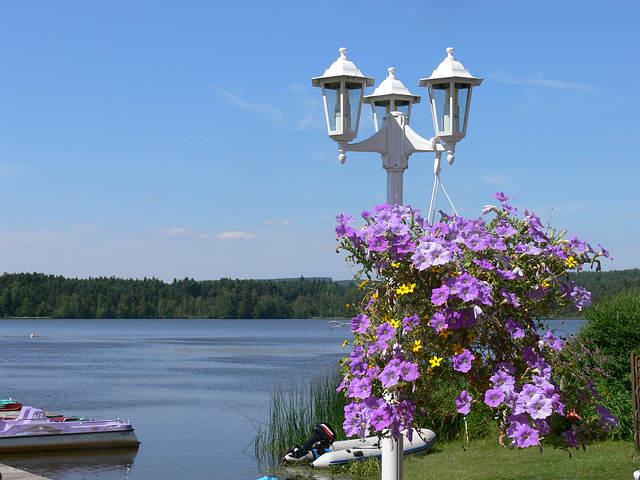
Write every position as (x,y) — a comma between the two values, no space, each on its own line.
(75,465)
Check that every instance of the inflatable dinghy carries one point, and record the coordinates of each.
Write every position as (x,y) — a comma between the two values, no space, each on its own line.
(321,450)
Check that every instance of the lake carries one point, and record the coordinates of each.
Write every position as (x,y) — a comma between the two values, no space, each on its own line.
(193,389)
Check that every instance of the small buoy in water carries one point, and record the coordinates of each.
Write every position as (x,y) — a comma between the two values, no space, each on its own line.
(32,336)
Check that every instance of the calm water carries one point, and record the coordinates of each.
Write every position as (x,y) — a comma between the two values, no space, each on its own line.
(193,389)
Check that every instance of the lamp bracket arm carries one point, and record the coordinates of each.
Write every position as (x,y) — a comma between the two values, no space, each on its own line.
(376,143)
(415,143)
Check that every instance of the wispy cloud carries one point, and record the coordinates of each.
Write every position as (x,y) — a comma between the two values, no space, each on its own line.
(171,232)
(546,95)
(280,223)
(504,180)
(234,236)
(539,80)
(270,112)
(297,108)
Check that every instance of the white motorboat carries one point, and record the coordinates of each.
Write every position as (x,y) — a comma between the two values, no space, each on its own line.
(32,430)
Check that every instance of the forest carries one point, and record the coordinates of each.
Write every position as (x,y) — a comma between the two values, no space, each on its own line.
(41,295)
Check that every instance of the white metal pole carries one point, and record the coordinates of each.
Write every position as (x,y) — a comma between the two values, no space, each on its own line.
(394,186)
(392,459)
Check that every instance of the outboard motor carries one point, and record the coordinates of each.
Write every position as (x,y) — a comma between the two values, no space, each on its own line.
(321,439)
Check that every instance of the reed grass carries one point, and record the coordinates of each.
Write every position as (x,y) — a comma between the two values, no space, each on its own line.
(294,411)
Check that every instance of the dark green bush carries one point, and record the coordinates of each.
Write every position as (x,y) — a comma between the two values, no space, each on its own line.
(614,327)
(602,350)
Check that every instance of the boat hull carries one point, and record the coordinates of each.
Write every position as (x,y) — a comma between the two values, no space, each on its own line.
(345,451)
(69,441)
(33,431)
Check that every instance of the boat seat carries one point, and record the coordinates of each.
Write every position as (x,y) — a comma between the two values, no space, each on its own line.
(27,413)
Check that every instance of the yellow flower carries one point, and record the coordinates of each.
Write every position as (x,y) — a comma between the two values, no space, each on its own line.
(435,361)
(404,289)
(363,284)
(457,348)
(348,305)
(571,262)
(445,333)
(417,345)
(472,338)
(544,284)
(345,343)
(395,323)
(395,265)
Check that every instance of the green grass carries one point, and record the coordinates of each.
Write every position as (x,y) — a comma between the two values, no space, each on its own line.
(487,460)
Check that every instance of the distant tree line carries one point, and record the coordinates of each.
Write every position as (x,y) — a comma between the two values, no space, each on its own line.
(40,295)
(604,285)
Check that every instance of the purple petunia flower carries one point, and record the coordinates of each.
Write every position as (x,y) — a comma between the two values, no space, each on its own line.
(553,341)
(385,331)
(410,322)
(525,436)
(539,407)
(607,419)
(358,367)
(438,322)
(390,376)
(360,388)
(409,371)
(605,253)
(437,254)
(440,295)
(343,218)
(503,381)
(356,420)
(571,438)
(515,328)
(360,323)
(501,197)
(462,362)
(510,297)
(419,259)
(494,397)
(378,243)
(483,264)
(463,402)
(581,296)
(380,418)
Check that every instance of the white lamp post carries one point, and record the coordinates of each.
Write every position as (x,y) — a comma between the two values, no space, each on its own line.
(450,88)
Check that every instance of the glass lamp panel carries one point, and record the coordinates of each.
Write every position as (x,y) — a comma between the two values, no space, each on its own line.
(403,106)
(382,108)
(440,93)
(332,105)
(462,97)
(352,99)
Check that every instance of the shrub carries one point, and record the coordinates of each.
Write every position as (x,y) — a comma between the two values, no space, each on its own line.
(614,326)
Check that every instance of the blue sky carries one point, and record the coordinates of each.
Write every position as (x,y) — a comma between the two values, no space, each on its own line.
(176,139)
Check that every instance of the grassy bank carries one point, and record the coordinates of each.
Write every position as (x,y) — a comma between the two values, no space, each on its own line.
(486,460)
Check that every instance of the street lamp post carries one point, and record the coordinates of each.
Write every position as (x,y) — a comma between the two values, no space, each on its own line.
(450,87)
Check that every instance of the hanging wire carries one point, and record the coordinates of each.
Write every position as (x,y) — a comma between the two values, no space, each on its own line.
(437,183)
